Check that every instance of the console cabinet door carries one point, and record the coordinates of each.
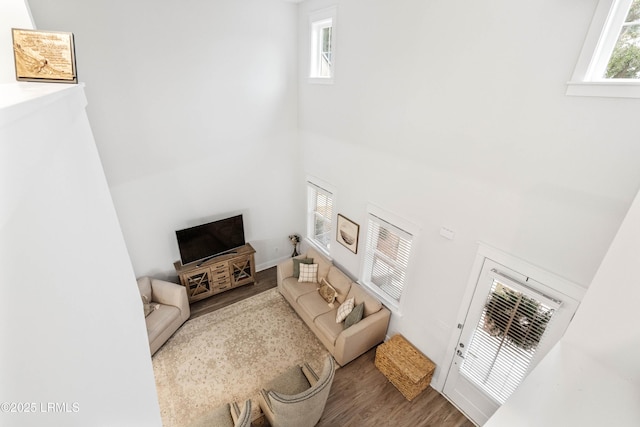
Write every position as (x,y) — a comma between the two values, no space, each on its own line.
(198,283)
(242,270)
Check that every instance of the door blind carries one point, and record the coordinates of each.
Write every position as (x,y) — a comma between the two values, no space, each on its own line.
(505,340)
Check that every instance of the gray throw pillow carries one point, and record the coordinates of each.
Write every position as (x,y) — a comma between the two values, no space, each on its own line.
(296,265)
(355,316)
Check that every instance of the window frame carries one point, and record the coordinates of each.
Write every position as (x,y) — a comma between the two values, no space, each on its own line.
(402,228)
(601,38)
(318,21)
(317,185)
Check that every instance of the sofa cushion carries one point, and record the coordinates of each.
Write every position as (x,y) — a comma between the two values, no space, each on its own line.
(355,316)
(313,305)
(295,289)
(220,416)
(291,381)
(160,319)
(308,273)
(340,282)
(296,265)
(371,304)
(326,324)
(323,263)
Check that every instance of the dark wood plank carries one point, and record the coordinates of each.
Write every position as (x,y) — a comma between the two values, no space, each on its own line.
(361,396)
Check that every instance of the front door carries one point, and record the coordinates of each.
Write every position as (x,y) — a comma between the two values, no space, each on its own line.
(511,324)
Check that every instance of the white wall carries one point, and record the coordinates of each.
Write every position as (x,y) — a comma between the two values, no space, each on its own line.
(74,343)
(194,108)
(456,115)
(605,325)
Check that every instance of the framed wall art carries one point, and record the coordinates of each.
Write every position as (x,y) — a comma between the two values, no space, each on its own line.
(44,56)
(347,233)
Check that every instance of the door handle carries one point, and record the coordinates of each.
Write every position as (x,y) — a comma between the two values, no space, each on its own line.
(459,353)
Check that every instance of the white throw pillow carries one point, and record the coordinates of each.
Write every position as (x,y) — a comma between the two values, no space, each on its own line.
(308,273)
(344,310)
(148,307)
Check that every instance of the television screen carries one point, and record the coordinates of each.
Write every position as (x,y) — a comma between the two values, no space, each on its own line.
(211,239)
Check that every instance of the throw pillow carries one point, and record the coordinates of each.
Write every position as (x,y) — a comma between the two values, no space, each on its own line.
(148,308)
(327,292)
(296,265)
(344,310)
(308,273)
(355,316)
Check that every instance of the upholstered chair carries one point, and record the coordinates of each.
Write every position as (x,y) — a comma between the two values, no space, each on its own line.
(228,415)
(166,308)
(297,397)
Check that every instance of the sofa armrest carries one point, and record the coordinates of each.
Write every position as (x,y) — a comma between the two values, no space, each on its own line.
(169,293)
(364,335)
(284,270)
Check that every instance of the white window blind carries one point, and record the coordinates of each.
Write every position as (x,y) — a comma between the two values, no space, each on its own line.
(387,257)
(506,338)
(320,214)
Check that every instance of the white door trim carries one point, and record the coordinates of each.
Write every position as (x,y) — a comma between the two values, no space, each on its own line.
(560,284)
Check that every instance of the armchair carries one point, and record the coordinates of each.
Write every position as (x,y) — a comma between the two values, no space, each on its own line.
(169,309)
(229,415)
(297,397)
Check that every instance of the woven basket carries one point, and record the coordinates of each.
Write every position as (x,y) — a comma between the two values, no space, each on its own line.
(405,367)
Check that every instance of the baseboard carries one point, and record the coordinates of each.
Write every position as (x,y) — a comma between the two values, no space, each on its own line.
(271,263)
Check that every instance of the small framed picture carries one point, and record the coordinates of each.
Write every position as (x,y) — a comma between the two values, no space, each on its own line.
(44,56)
(347,233)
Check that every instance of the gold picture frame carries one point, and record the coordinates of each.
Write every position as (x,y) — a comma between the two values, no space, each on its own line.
(347,233)
(44,56)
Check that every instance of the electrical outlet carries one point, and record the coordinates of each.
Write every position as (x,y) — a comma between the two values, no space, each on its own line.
(447,233)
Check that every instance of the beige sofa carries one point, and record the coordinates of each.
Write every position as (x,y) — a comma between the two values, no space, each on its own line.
(344,344)
(166,309)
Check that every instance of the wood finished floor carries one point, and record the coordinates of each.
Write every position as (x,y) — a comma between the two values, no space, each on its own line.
(360,394)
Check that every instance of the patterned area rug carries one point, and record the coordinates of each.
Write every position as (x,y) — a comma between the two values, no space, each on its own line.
(227,356)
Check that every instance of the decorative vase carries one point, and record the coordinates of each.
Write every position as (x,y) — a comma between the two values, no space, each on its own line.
(294,239)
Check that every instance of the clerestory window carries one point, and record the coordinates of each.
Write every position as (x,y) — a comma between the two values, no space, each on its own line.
(609,64)
(322,37)
(624,61)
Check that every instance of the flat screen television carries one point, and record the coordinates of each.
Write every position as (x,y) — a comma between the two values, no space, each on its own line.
(205,241)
